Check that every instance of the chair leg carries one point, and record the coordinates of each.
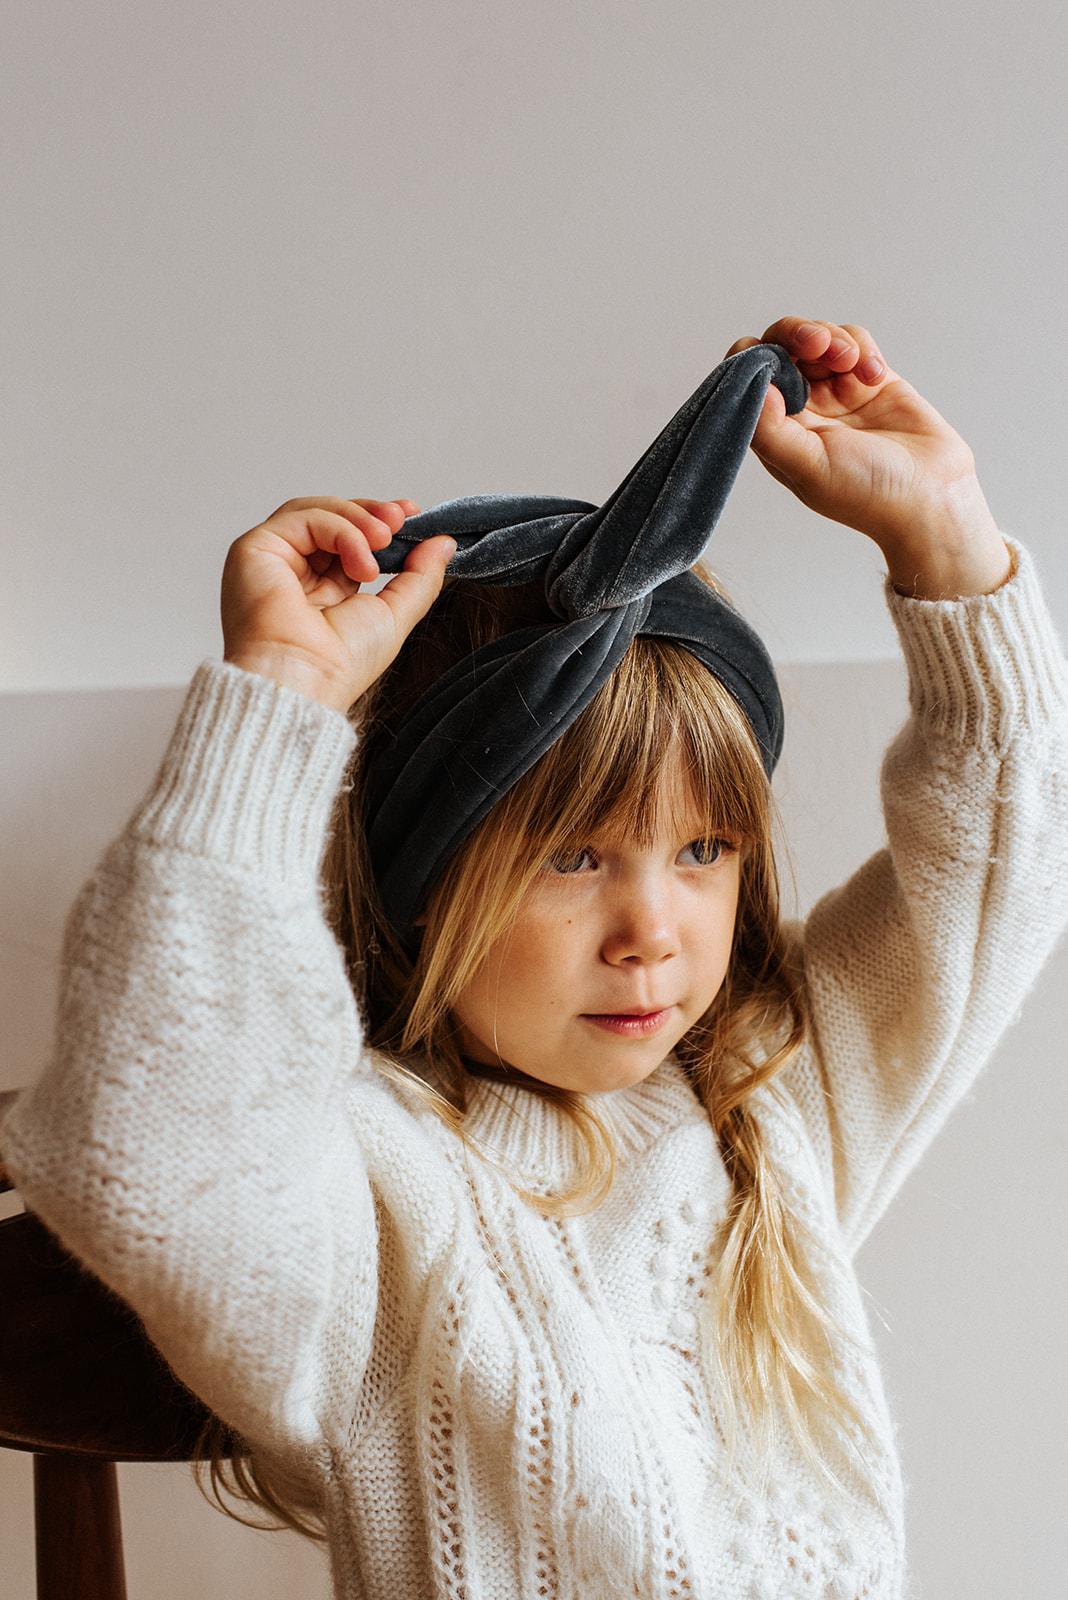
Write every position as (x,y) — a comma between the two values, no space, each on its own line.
(78,1529)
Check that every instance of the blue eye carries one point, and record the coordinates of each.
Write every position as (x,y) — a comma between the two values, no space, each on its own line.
(553,862)
(715,848)
(713,851)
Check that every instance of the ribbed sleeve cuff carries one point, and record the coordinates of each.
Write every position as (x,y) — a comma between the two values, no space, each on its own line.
(986,668)
(250,774)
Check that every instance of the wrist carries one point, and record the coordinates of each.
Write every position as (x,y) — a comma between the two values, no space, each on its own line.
(949,551)
(974,568)
(289,670)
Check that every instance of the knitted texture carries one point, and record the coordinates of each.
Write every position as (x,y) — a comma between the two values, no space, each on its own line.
(492,1404)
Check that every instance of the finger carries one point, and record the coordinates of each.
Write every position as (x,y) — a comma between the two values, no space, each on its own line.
(411,592)
(854,358)
(377,529)
(308,526)
(870,365)
(825,348)
(391,512)
(859,359)
(379,520)
(741,344)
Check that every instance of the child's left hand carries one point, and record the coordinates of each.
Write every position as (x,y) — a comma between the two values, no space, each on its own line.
(868,451)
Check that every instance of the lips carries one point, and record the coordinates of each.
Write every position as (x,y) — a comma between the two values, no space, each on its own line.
(628,1025)
(632,1011)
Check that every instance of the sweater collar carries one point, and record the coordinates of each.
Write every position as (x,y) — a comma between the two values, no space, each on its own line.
(534,1137)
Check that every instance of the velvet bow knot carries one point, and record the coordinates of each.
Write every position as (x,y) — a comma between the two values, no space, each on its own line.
(611,572)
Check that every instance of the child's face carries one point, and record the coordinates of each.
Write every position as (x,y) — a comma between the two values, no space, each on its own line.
(605,930)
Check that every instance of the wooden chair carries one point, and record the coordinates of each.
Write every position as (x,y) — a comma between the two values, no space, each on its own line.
(81,1387)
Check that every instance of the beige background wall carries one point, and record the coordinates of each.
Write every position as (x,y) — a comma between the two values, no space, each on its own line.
(416,250)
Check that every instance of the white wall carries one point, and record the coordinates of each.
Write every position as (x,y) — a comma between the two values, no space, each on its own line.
(417,250)
(396,249)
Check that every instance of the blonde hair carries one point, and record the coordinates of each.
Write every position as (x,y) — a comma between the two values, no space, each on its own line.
(770,1343)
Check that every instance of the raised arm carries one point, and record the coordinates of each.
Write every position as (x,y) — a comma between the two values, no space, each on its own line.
(915,967)
(188,1138)
(210,1136)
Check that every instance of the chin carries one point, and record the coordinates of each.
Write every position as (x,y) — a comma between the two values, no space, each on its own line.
(621,1075)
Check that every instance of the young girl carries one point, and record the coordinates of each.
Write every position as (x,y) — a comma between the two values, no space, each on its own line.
(493,1292)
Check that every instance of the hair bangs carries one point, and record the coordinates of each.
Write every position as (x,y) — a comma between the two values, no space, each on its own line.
(662,744)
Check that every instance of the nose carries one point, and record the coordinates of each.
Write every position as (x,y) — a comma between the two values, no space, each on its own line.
(641,920)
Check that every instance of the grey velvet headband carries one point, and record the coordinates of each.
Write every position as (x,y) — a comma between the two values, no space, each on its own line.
(611,572)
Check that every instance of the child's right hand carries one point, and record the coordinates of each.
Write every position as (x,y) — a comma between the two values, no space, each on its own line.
(290,604)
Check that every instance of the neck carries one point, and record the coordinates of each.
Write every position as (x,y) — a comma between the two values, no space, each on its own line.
(498,1072)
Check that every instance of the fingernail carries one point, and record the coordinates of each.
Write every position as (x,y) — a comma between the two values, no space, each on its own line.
(450,549)
(870,369)
(807,329)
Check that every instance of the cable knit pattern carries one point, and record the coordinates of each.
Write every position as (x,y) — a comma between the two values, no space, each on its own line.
(492,1404)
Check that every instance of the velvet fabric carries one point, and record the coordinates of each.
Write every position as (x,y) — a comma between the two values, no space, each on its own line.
(611,572)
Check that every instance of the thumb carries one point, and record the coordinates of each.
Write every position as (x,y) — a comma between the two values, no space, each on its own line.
(783,444)
(412,591)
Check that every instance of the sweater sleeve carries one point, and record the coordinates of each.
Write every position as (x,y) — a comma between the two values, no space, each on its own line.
(915,966)
(188,1139)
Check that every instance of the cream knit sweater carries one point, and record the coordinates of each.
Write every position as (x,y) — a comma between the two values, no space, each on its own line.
(496,1406)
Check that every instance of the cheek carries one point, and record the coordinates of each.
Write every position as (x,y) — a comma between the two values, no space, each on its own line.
(721,926)
(542,962)
(535,959)
(527,970)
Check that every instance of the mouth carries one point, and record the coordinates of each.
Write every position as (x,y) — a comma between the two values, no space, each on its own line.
(628,1022)
(630,1011)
